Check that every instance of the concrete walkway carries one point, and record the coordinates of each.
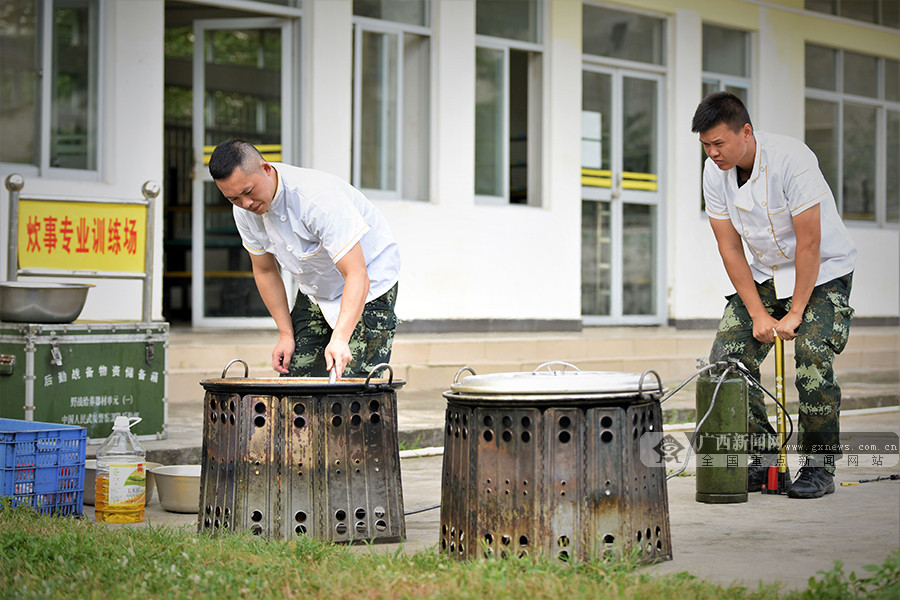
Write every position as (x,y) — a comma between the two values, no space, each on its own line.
(767,539)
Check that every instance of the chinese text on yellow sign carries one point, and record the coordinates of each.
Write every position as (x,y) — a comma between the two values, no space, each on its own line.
(82,236)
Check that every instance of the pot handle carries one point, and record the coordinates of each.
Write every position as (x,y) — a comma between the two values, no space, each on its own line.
(641,382)
(377,368)
(234,360)
(461,371)
(549,364)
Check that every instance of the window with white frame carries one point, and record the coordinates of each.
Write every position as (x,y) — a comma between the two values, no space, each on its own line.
(391,100)
(508,57)
(880,12)
(622,35)
(726,66)
(853,125)
(49,122)
(726,61)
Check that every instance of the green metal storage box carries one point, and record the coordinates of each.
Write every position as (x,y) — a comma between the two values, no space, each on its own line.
(86,374)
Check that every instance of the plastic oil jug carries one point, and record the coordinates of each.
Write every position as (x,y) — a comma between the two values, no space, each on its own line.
(121,481)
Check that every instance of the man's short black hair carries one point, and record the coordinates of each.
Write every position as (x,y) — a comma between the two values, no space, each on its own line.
(720,107)
(231,154)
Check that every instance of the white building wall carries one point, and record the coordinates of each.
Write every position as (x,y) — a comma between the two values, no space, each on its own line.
(328,86)
(132,148)
(462,260)
(562,172)
(697,281)
(876,281)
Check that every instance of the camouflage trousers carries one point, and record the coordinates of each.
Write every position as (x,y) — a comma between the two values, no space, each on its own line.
(370,343)
(822,334)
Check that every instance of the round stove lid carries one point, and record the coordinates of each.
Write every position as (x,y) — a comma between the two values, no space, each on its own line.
(297,385)
(557,378)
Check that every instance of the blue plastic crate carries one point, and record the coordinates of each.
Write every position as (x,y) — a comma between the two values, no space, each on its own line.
(42,465)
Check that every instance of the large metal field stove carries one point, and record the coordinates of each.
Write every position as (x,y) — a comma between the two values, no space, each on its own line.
(287,456)
(548,463)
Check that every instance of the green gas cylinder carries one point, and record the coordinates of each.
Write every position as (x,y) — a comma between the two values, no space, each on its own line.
(721,443)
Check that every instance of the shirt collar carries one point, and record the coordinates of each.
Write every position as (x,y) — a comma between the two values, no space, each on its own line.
(744,197)
(278,201)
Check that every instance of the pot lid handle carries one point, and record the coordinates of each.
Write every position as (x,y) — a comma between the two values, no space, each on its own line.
(641,382)
(463,370)
(551,363)
(377,368)
(234,360)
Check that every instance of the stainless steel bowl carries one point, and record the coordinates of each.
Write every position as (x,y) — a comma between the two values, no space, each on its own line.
(41,302)
(178,487)
(90,481)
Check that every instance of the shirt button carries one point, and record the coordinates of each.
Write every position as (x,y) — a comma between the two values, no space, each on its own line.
(290,248)
(775,268)
(315,287)
(759,254)
(283,218)
(301,272)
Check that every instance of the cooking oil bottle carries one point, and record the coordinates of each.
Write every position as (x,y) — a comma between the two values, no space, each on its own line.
(121,481)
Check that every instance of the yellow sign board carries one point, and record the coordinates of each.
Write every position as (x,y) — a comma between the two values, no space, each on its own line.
(82,236)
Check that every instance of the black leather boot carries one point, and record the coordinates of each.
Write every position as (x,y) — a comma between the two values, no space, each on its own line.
(756,477)
(812,482)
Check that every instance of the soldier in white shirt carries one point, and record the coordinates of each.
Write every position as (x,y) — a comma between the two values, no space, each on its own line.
(767,192)
(337,246)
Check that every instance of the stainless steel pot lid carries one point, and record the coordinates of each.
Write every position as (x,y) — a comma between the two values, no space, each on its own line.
(275,386)
(299,385)
(557,378)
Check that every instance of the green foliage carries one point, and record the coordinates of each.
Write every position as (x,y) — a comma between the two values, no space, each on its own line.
(179,42)
(55,557)
(669,473)
(837,585)
(414,445)
(886,578)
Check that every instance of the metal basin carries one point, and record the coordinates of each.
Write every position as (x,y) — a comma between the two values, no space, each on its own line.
(41,302)
(90,477)
(179,487)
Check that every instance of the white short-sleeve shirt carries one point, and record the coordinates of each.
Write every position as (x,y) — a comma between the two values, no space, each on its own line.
(786,181)
(313,221)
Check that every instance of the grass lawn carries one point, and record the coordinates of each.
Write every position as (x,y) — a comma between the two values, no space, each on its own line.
(53,557)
